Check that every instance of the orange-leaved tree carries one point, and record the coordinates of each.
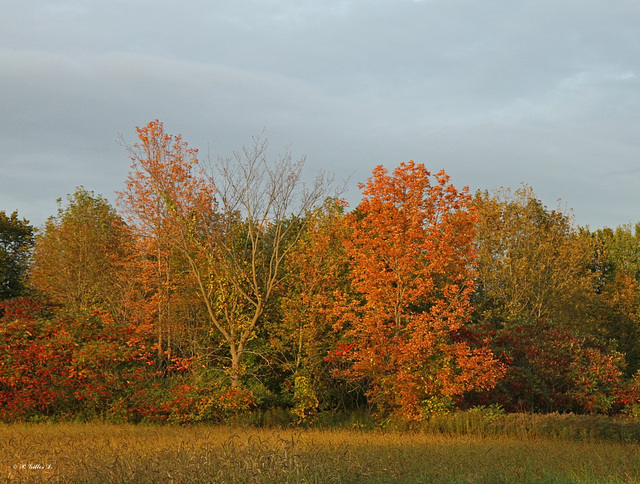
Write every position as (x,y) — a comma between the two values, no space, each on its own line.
(164,197)
(412,254)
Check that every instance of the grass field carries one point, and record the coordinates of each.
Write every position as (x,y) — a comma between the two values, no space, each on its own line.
(104,453)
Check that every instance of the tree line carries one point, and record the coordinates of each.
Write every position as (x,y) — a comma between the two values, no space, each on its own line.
(217,288)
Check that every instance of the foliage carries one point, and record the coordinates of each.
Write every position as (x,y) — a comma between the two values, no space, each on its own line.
(622,247)
(411,254)
(316,288)
(16,242)
(162,195)
(232,226)
(550,369)
(79,259)
(615,314)
(532,263)
(183,399)
(305,399)
(59,365)
(618,317)
(232,294)
(94,367)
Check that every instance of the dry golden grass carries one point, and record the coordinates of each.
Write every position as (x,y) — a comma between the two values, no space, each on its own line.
(103,453)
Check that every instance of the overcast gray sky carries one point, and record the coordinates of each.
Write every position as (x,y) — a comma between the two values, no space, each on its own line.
(496,92)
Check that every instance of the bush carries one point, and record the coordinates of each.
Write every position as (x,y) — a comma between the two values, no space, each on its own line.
(550,369)
(52,366)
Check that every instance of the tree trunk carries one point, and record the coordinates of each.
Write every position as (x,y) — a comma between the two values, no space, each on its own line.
(235,369)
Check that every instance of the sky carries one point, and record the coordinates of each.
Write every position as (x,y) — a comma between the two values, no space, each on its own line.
(497,93)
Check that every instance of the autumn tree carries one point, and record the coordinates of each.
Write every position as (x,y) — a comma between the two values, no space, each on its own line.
(16,243)
(78,258)
(532,262)
(411,250)
(165,170)
(231,221)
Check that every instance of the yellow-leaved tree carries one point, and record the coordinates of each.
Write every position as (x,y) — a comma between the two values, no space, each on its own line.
(533,264)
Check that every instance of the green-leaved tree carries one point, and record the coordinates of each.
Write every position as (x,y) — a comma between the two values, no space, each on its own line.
(16,242)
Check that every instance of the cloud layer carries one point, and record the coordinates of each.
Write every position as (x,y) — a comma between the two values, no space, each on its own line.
(496,93)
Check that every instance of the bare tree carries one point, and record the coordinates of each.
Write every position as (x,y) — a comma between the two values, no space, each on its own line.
(235,239)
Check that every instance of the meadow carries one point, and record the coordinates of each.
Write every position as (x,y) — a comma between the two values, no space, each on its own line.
(542,450)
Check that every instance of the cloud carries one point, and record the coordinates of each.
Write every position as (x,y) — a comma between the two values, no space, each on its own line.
(495,92)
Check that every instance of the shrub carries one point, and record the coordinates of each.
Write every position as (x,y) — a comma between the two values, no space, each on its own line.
(58,366)
(551,369)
